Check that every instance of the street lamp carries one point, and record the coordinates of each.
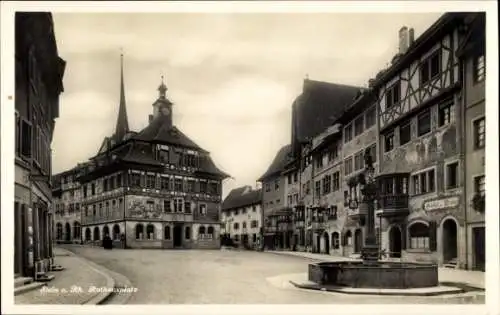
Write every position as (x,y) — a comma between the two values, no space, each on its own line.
(366,180)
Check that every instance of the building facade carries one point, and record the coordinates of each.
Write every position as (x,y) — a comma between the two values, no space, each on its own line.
(422,198)
(154,188)
(242,217)
(278,229)
(315,110)
(337,160)
(472,54)
(38,84)
(66,200)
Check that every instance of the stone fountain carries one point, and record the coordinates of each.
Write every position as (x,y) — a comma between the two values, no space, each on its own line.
(370,272)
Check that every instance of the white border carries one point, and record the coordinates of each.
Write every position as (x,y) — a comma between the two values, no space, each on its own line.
(7,143)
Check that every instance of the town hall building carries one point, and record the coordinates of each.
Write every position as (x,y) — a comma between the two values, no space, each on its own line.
(154,188)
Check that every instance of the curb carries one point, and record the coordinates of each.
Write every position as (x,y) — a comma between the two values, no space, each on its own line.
(110,282)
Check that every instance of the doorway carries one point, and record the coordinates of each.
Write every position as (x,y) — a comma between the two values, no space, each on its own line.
(395,242)
(177,235)
(479,248)
(326,237)
(67,230)
(358,241)
(449,239)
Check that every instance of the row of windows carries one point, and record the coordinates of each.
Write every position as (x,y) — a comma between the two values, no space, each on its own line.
(154,182)
(446,116)
(32,142)
(293,199)
(357,162)
(332,153)
(429,69)
(244,210)
(360,124)
(182,159)
(329,183)
(253,224)
(276,185)
(60,209)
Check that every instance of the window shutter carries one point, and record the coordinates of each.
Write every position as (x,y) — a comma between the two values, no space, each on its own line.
(403,236)
(197,187)
(433,236)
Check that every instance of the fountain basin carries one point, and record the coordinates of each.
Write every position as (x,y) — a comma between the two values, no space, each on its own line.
(383,275)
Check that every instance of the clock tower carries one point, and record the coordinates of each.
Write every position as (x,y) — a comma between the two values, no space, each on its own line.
(162,107)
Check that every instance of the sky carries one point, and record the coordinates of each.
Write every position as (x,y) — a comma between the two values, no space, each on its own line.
(232,77)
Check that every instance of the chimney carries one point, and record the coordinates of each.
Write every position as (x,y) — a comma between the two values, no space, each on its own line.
(411,36)
(150,118)
(403,40)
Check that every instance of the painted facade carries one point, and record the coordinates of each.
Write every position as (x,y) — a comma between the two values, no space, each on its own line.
(151,189)
(422,207)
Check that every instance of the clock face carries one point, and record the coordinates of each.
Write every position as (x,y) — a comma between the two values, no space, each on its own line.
(165,111)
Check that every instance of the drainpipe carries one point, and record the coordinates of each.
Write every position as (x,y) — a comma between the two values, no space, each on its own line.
(463,152)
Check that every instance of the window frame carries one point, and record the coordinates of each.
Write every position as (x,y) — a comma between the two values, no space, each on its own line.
(419,173)
(447,174)
(406,124)
(428,113)
(390,95)
(388,135)
(476,134)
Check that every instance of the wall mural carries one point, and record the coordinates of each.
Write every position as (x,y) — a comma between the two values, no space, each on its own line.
(139,209)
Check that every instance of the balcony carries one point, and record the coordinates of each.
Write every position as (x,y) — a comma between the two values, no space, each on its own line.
(358,213)
(393,206)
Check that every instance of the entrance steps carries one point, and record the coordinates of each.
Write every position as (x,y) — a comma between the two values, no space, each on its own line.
(25,284)
(451,264)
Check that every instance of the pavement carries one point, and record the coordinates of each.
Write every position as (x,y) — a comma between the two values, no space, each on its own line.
(230,277)
(469,277)
(73,285)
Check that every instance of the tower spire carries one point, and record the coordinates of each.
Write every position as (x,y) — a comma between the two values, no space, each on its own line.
(162,89)
(122,121)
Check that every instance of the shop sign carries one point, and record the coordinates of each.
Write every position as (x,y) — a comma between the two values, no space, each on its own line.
(432,205)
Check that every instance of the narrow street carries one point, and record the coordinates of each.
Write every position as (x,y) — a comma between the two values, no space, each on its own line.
(222,277)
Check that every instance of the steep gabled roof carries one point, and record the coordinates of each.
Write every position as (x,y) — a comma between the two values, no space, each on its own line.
(160,131)
(278,164)
(208,166)
(319,106)
(242,197)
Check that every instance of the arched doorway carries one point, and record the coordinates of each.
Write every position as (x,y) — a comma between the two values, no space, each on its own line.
(449,240)
(87,234)
(105,231)
(59,231)
(395,242)
(326,237)
(97,234)
(358,241)
(116,232)
(76,230)
(177,236)
(67,232)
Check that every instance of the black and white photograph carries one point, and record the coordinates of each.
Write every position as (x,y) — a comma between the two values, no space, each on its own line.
(265,153)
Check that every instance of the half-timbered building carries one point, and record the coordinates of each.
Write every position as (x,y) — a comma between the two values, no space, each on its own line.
(421,199)
(154,188)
